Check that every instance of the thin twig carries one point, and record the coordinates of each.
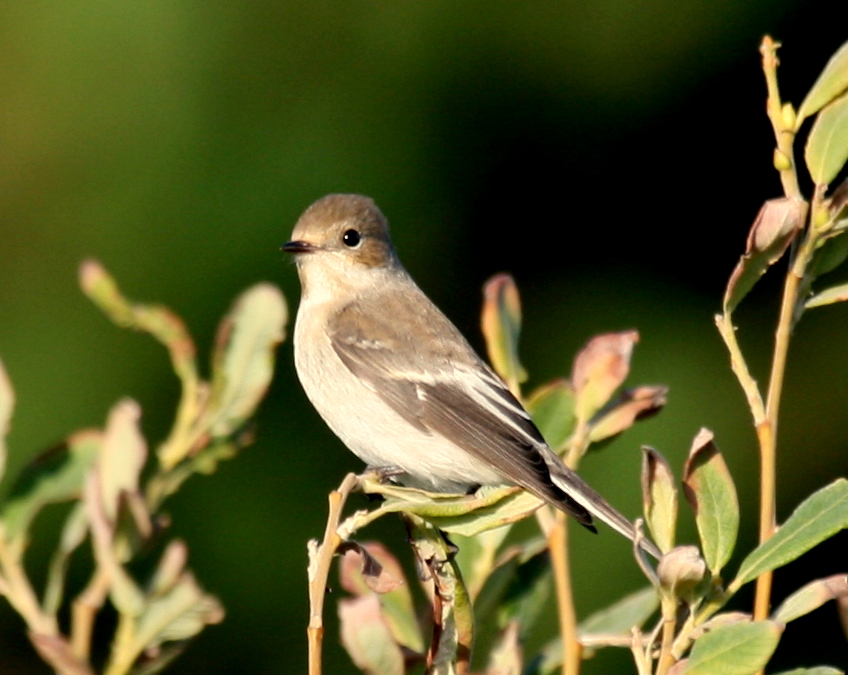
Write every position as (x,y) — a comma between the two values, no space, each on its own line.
(614,640)
(767,432)
(56,652)
(20,593)
(784,133)
(84,611)
(724,323)
(639,650)
(572,649)
(669,624)
(684,636)
(320,561)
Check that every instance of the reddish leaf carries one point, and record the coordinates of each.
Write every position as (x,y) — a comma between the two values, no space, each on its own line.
(501,323)
(7,404)
(367,638)
(774,228)
(828,296)
(812,596)
(368,567)
(599,369)
(633,404)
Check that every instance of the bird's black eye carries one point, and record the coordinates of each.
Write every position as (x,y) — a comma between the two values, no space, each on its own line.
(351,238)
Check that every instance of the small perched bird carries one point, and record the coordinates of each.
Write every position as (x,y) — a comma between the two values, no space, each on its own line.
(397,382)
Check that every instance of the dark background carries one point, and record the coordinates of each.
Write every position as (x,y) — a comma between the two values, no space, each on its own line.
(611,155)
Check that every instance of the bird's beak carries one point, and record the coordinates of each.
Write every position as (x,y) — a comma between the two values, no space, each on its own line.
(298,247)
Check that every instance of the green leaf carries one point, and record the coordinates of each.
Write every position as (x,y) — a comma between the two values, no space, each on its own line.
(501,324)
(478,558)
(828,297)
(526,594)
(488,508)
(124,592)
(723,619)
(74,532)
(817,670)
(831,251)
(552,409)
(496,575)
(178,615)
(827,145)
(811,597)
(618,618)
(53,477)
(710,490)
(506,657)
(659,498)
(820,516)
(511,506)
(243,363)
(738,649)
(774,228)
(7,405)
(832,82)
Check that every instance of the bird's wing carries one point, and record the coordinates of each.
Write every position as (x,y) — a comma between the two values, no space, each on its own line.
(441,386)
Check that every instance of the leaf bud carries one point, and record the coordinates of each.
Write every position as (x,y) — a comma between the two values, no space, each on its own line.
(781,161)
(681,570)
(787,116)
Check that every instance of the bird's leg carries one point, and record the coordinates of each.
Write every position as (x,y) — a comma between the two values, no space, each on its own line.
(384,473)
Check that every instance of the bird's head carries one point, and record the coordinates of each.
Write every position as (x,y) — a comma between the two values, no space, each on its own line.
(343,232)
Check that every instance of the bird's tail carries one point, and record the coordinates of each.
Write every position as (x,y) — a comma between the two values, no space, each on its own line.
(581,492)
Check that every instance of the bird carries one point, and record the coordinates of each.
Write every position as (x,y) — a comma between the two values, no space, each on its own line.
(398,383)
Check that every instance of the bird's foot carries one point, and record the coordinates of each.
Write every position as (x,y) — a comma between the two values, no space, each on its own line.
(384,474)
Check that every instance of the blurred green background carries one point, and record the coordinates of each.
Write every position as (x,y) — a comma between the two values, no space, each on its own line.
(611,155)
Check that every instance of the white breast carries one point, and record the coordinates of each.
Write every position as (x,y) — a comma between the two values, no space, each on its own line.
(366,424)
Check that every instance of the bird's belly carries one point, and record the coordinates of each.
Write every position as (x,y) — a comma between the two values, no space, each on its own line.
(373,431)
